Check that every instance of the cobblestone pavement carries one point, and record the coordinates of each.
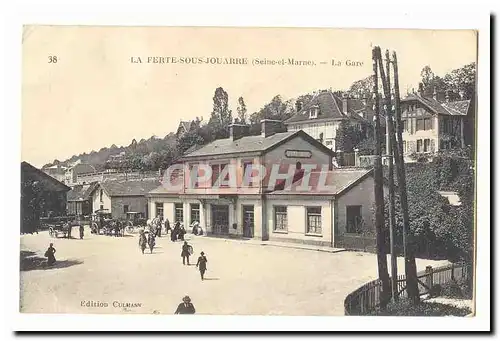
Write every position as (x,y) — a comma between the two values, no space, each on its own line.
(242,278)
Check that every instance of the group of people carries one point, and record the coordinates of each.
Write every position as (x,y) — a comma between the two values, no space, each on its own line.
(70,228)
(201,264)
(149,240)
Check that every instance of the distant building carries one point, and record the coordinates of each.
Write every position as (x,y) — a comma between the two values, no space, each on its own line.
(58,172)
(80,199)
(120,197)
(41,196)
(431,123)
(184,127)
(322,115)
(72,173)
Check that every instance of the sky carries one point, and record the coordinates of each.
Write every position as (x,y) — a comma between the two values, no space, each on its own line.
(95,95)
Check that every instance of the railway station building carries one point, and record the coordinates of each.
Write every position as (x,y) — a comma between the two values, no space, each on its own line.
(278,186)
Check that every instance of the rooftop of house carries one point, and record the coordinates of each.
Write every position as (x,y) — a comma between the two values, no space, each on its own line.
(81,192)
(453,108)
(334,182)
(129,187)
(186,125)
(245,144)
(82,168)
(331,108)
(30,172)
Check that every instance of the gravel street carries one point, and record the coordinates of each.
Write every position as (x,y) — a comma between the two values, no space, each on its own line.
(242,278)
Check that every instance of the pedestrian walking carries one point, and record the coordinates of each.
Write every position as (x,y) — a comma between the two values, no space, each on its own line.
(181,233)
(187,250)
(50,254)
(70,227)
(167,226)
(81,231)
(142,240)
(151,241)
(202,264)
(186,307)
(158,226)
(175,231)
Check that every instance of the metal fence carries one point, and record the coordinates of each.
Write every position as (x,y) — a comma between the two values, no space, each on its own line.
(367,298)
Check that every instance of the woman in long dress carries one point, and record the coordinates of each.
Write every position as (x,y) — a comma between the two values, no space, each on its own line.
(50,254)
(142,241)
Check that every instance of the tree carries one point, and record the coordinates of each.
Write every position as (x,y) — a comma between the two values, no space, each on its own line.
(242,111)
(463,80)
(221,116)
(362,87)
(349,136)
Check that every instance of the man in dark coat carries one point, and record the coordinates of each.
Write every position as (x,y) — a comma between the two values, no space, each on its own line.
(167,226)
(185,253)
(81,230)
(202,265)
(186,307)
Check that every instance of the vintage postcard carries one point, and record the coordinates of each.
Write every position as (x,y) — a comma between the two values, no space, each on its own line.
(248,171)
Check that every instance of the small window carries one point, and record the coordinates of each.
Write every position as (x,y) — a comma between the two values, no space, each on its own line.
(354,220)
(313,220)
(328,143)
(159,209)
(427,145)
(420,124)
(179,213)
(247,173)
(280,219)
(125,208)
(419,146)
(427,124)
(405,125)
(195,213)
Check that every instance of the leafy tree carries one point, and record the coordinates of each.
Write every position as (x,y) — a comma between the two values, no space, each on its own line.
(242,111)
(463,80)
(362,87)
(440,229)
(221,116)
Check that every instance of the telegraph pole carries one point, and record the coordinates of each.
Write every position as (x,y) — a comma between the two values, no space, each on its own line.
(386,83)
(379,192)
(409,254)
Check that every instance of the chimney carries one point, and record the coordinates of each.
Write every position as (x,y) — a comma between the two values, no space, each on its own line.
(435,94)
(421,89)
(462,94)
(237,131)
(345,105)
(271,127)
(447,96)
(298,105)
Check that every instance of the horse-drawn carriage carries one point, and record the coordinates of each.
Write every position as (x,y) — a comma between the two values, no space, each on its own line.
(135,220)
(101,222)
(57,226)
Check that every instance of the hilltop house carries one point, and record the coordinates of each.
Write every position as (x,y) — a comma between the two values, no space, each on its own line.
(255,207)
(431,123)
(58,172)
(72,173)
(120,197)
(321,116)
(184,127)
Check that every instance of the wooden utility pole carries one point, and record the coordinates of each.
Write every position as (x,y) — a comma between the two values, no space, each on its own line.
(386,83)
(379,192)
(409,254)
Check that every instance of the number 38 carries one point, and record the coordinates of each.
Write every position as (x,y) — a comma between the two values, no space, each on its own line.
(52,59)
